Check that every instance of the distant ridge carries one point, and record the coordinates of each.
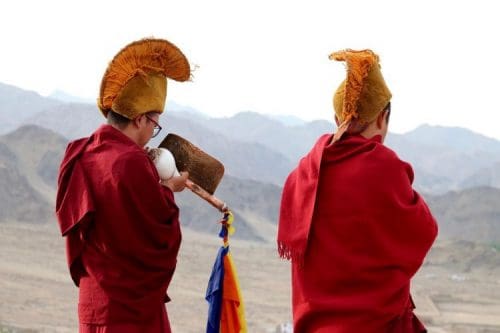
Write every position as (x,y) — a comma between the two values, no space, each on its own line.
(472,214)
(456,138)
(262,148)
(17,105)
(30,158)
(289,120)
(258,153)
(68,98)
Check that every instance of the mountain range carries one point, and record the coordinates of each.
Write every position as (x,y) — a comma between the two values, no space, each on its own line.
(265,148)
(457,170)
(29,161)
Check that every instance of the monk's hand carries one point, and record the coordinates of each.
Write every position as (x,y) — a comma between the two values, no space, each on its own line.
(152,153)
(176,183)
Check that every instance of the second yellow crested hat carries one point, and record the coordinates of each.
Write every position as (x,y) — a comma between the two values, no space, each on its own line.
(364,93)
(135,81)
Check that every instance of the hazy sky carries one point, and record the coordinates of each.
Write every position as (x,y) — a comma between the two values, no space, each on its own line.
(439,58)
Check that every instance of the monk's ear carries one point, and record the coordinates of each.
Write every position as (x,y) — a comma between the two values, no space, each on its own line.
(137,120)
(381,119)
(337,121)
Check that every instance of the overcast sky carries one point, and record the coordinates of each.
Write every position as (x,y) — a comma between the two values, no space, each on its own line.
(439,58)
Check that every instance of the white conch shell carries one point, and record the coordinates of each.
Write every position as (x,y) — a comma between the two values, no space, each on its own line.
(165,163)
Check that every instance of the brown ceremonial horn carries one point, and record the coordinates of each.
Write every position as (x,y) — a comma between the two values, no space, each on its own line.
(205,172)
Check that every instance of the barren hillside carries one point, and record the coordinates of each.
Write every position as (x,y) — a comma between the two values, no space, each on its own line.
(456,291)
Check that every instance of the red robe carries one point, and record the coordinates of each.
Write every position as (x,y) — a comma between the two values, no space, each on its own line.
(356,232)
(122,232)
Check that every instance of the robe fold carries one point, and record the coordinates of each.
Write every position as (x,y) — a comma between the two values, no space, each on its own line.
(356,233)
(122,233)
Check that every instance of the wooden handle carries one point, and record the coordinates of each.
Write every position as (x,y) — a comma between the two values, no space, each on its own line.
(214,201)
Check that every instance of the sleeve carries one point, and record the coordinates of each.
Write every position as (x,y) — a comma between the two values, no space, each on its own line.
(410,228)
(139,185)
(75,209)
(144,212)
(74,200)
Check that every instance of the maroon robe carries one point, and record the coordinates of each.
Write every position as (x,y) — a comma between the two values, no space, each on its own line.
(356,232)
(122,232)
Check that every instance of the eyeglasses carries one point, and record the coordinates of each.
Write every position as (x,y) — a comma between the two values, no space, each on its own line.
(156,129)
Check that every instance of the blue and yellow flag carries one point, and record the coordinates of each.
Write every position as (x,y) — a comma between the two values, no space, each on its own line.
(226,311)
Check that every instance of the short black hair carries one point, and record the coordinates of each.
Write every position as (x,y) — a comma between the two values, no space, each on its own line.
(388,110)
(117,119)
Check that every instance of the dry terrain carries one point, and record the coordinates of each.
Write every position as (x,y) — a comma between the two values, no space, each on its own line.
(457,290)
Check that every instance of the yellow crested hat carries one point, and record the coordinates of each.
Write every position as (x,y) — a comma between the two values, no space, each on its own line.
(135,81)
(364,93)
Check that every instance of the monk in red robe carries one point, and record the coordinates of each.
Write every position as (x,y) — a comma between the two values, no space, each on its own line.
(120,221)
(351,223)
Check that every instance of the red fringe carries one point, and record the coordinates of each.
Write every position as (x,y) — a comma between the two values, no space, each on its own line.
(286,252)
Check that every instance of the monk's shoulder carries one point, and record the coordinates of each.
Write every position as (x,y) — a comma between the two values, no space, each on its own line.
(388,162)
(134,156)
(131,161)
(388,155)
